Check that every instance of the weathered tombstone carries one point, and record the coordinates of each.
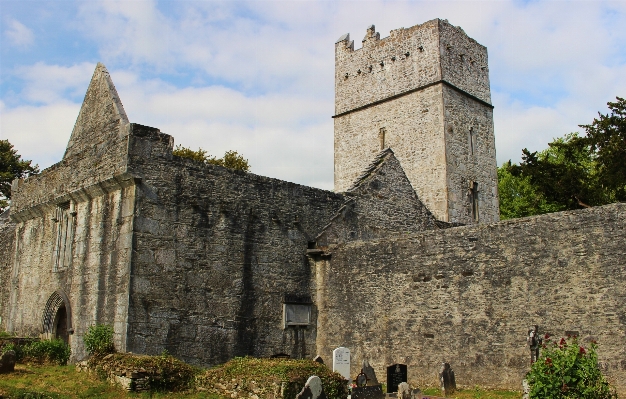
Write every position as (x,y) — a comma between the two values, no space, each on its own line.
(371,375)
(374,392)
(341,362)
(396,374)
(525,389)
(7,362)
(446,378)
(361,379)
(318,359)
(534,342)
(313,389)
(404,391)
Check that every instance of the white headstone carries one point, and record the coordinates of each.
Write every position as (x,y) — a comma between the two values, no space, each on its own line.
(341,362)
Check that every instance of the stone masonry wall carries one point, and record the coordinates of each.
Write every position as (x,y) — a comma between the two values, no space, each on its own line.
(464,62)
(381,203)
(422,88)
(96,153)
(414,131)
(96,280)
(468,296)
(7,243)
(90,185)
(216,251)
(464,166)
(407,59)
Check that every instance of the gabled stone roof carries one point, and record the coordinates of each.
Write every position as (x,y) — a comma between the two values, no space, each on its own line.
(378,160)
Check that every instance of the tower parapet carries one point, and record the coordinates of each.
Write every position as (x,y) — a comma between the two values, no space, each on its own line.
(424,92)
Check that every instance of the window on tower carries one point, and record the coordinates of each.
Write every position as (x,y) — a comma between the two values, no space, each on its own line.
(472,140)
(474,200)
(381,137)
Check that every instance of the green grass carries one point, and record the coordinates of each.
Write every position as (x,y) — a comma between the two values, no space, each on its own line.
(476,393)
(61,382)
(64,382)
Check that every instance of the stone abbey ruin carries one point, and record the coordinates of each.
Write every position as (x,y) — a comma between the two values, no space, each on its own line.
(405,262)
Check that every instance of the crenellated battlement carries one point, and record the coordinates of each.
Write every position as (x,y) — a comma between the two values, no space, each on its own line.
(408,59)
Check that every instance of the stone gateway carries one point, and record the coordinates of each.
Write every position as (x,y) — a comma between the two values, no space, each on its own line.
(406,262)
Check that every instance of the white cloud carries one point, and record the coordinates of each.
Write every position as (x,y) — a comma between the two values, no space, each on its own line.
(39,133)
(263,72)
(18,34)
(48,84)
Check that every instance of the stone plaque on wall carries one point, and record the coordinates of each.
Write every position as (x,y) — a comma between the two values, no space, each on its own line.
(341,362)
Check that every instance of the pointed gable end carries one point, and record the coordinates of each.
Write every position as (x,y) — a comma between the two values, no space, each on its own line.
(381,203)
(102,120)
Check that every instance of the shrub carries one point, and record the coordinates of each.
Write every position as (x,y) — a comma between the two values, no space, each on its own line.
(99,340)
(231,159)
(567,369)
(164,372)
(46,351)
(265,375)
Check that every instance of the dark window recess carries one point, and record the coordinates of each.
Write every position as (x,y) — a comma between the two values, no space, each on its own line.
(293,298)
(474,200)
(472,141)
(381,137)
(428,335)
(467,273)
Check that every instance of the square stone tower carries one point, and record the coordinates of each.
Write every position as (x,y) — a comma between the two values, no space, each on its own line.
(424,93)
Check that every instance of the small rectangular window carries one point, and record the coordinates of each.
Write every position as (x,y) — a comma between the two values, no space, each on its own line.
(381,137)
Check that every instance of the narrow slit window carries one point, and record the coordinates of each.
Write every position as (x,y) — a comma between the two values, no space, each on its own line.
(474,200)
(472,140)
(381,137)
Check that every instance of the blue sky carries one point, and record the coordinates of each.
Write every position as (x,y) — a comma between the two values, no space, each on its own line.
(257,76)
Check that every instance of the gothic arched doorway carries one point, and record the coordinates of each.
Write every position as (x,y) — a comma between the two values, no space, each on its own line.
(57,317)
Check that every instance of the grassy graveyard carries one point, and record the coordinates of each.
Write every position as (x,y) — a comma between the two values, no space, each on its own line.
(61,382)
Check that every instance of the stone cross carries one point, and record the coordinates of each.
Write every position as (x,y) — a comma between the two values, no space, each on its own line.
(369,372)
(341,362)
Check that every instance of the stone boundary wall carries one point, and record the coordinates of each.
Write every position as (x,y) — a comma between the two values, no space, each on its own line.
(7,245)
(468,296)
(216,251)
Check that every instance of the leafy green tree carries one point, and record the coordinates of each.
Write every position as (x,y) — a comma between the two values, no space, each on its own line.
(575,171)
(567,370)
(12,166)
(606,137)
(231,159)
(519,197)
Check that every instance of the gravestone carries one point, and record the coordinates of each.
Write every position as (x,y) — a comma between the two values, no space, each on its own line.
(7,362)
(313,389)
(369,372)
(341,362)
(361,379)
(404,391)
(318,359)
(396,374)
(374,392)
(447,380)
